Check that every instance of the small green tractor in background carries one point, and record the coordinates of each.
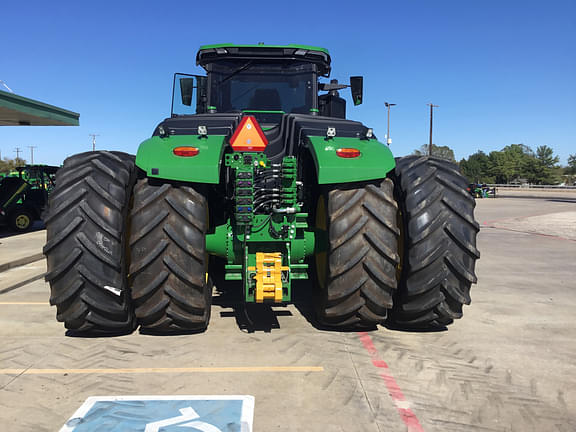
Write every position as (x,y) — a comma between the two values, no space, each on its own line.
(24,195)
(257,171)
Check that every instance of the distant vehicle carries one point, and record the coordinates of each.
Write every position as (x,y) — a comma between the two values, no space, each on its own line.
(478,190)
(23,197)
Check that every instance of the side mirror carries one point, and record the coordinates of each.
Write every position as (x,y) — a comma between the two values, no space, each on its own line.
(186,90)
(356,86)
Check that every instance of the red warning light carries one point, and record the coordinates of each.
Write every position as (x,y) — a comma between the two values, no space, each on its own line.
(186,151)
(248,136)
(348,153)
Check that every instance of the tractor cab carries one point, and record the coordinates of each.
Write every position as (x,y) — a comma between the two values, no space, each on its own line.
(267,82)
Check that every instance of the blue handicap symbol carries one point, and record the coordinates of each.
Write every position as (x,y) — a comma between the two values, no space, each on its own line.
(163,414)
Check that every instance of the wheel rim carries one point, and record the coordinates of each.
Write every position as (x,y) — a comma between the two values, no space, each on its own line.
(321,257)
(22,221)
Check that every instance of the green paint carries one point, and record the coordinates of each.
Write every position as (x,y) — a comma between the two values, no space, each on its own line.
(20,111)
(375,162)
(229,45)
(157,153)
(219,242)
(245,233)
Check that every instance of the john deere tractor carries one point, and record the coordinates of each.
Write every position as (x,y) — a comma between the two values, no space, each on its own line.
(257,165)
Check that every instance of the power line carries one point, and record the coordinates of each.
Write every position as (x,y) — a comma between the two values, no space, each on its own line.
(17,150)
(32,154)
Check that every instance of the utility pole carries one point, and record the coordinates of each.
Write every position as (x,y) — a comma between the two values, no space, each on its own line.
(32,154)
(432,106)
(17,150)
(388,139)
(93,141)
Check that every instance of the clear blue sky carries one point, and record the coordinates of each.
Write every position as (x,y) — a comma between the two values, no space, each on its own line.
(502,71)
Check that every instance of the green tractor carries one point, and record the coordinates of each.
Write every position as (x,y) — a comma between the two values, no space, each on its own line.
(257,171)
(24,194)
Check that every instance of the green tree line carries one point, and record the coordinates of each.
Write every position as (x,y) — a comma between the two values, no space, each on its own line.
(517,163)
(7,165)
(514,163)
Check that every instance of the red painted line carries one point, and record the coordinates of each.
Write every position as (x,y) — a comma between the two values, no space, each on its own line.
(406,414)
(529,232)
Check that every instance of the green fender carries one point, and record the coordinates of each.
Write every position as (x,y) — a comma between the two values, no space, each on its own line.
(375,160)
(156,158)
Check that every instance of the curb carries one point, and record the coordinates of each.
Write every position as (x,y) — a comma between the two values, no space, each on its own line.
(22,261)
(22,283)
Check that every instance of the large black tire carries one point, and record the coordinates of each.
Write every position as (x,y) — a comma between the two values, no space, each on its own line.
(168,281)
(357,275)
(86,242)
(438,242)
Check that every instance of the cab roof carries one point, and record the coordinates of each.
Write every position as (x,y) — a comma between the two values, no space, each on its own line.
(320,56)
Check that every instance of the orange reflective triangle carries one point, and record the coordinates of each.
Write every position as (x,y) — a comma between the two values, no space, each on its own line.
(248,136)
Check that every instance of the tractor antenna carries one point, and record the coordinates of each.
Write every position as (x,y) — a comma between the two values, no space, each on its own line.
(93,141)
(432,106)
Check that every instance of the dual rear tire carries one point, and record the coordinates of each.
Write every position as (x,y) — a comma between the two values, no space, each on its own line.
(409,264)
(86,242)
(439,243)
(356,274)
(94,224)
(170,290)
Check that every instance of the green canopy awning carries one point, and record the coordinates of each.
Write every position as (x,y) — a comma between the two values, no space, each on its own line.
(20,111)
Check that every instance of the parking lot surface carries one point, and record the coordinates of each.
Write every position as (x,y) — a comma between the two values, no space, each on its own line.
(508,365)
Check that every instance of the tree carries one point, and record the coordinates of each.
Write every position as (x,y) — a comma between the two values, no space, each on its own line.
(7,164)
(546,166)
(476,168)
(534,171)
(500,167)
(571,168)
(443,152)
(546,156)
(514,162)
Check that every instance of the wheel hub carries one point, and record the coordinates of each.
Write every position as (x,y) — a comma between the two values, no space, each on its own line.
(22,221)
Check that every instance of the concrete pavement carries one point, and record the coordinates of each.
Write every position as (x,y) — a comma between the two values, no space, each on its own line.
(508,365)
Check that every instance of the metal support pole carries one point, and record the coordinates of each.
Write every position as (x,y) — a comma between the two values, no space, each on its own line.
(388,139)
(32,154)
(432,106)
(93,141)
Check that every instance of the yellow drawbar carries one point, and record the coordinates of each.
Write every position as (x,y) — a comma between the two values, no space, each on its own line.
(268,276)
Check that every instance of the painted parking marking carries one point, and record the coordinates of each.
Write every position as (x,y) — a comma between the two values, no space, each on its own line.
(163,414)
(163,370)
